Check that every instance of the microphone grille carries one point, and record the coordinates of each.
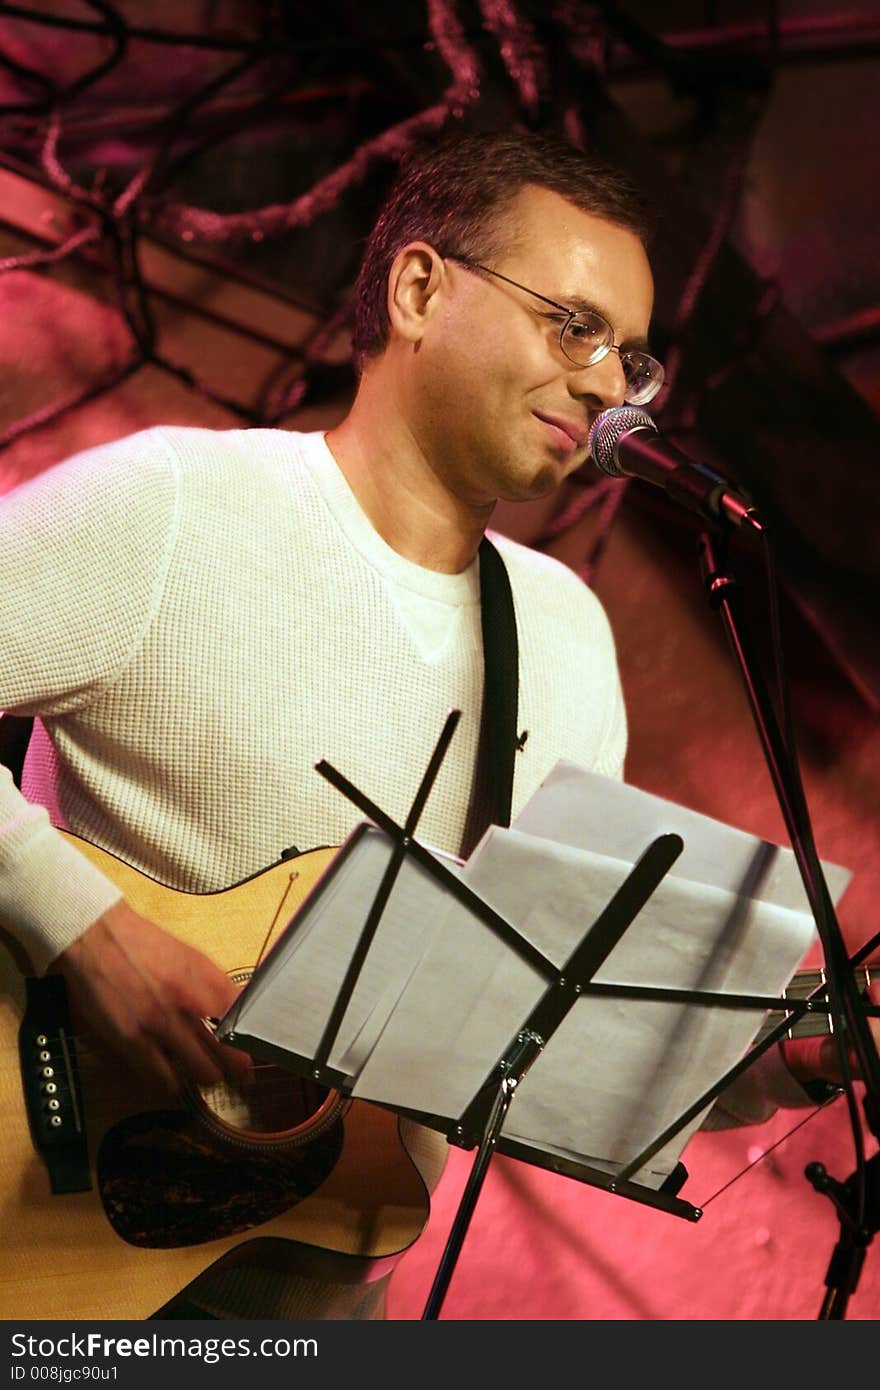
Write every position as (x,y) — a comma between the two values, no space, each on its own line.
(607,428)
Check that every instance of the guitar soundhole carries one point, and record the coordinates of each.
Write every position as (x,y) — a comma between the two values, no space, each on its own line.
(268,1109)
(232,1160)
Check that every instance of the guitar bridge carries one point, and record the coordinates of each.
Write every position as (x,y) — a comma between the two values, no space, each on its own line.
(50,1081)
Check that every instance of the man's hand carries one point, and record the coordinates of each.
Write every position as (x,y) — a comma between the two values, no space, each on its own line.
(145,994)
(814,1059)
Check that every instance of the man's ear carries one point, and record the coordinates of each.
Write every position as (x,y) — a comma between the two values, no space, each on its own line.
(413,281)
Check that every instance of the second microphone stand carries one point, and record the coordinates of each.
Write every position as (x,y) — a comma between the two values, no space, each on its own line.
(857,1200)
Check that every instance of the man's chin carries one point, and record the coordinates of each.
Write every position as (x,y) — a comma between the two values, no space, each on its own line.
(536,481)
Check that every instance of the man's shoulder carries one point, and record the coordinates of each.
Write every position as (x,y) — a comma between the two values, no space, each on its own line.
(196,441)
(145,468)
(538,570)
(115,473)
(233,463)
(548,593)
(192,445)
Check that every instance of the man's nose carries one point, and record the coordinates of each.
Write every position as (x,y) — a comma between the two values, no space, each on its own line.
(603,383)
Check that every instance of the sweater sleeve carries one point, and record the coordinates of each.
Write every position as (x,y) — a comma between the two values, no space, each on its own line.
(49,892)
(756,1095)
(85,548)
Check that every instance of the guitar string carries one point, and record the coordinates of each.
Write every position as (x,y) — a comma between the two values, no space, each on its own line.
(291,1088)
(85,1052)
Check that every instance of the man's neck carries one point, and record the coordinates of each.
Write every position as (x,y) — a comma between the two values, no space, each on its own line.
(400,492)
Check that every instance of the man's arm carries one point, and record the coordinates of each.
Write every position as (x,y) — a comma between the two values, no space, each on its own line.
(795,1074)
(131,984)
(83,553)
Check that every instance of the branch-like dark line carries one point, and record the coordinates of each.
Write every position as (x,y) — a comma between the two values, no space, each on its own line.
(146,33)
(48,415)
(172,125)
(26,74)
(200,388)
(116,30)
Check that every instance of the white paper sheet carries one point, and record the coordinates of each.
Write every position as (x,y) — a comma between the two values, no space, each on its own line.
(617,1072)
(580,808)
(291,996)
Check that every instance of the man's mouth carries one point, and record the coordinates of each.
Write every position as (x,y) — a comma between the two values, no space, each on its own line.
(568,434)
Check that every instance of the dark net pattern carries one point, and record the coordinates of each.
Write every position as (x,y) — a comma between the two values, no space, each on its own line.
(259,138)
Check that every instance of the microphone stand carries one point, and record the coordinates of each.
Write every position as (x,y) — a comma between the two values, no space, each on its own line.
(848,1255)
(858,1200)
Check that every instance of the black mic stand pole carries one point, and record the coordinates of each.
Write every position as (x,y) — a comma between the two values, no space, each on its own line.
(859,1216)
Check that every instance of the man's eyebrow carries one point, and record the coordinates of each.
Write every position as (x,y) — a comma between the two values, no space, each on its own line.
(577,301)
(580,305)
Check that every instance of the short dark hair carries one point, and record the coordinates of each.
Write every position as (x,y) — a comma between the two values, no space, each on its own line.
(449,193)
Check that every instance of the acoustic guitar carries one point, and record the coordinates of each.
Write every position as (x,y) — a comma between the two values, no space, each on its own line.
(113,1201)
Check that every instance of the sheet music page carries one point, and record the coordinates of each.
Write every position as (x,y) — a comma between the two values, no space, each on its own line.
(731,916)
(576,807)
(291,996)
(617,1071)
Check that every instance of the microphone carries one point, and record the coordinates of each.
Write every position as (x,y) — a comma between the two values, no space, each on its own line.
(625,443)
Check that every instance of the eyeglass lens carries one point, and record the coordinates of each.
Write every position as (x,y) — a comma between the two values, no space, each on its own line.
(587,338)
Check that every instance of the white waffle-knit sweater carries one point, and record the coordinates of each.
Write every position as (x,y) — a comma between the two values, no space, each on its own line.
(197,617)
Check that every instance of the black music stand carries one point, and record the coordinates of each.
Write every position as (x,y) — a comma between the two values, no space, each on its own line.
(480,1124)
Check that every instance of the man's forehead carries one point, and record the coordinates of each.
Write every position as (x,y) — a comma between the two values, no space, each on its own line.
(586,259)
(540,217)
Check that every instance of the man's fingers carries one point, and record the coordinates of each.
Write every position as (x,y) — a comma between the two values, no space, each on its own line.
(192,1050)
(147,995)
(231,1060)
(152,1065)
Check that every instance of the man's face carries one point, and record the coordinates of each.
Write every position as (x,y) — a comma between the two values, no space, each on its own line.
(500,410)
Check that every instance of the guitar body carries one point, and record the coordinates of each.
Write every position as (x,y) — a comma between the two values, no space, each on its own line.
(324,1187)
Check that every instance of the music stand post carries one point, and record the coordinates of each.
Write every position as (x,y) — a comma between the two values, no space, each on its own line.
(526,1049)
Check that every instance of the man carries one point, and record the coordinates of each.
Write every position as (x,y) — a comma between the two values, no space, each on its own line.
(197,617)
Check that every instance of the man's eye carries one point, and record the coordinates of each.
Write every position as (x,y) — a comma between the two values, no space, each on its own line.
(585,332)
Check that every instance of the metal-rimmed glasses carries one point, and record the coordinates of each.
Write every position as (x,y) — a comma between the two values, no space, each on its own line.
(585,337)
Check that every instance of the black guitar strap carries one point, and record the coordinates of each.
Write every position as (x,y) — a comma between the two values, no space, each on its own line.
(15,732)
(493,784)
